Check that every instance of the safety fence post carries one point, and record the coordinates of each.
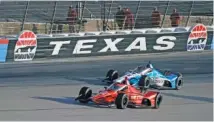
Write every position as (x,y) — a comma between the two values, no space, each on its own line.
(104,15)
(167,7)
(109,12)
(136,15)
(25,15)
(53,17)
(82,14)
(190,12)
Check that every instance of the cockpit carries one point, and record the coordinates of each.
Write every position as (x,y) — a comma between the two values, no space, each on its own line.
(139,69)
(117,87)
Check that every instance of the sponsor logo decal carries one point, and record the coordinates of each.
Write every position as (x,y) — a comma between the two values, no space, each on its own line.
(136,97)
(3,49)
(198,38)
(85,46)
(25,47)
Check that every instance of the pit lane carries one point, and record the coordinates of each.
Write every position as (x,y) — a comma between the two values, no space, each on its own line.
(46,91)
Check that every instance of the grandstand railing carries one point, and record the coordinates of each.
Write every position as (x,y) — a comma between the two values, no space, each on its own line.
(47,17)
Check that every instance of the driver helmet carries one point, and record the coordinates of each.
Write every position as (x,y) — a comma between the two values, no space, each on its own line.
(125,81)
(140,68)
(146,70)
(149,65)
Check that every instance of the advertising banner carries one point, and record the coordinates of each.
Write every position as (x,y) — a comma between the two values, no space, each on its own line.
(110,45)
(197,40)
(26,45)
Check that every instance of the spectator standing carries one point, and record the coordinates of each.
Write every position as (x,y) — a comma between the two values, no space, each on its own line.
(198,20)
(119,17)
(175,18)
(156,18)
(35,29)
(129,19)
(72,19)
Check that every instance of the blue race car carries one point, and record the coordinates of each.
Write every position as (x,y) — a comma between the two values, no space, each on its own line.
(148,77)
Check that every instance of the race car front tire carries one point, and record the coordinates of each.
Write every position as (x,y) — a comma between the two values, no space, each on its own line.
(121,101)
(85,93)
(179,81)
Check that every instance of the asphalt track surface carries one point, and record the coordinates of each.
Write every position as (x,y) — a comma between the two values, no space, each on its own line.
(46,91)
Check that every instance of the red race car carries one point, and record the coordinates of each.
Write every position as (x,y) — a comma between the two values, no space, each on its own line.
(122,95)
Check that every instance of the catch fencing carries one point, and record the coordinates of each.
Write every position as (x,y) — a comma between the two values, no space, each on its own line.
(50,16)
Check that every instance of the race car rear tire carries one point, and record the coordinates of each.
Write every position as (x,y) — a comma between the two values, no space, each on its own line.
(121,101)
(144,82)
(158,100)
(112,75)
(85,93)
(179,81)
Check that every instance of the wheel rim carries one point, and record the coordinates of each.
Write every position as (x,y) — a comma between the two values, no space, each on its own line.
(147,83)
(88,94)
(115,76)
(159,101)
(179,83)
(125,100)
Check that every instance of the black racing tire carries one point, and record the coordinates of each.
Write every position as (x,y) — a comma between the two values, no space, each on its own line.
(121,101)
(179,81)
(85,93)
(109,73)
(158,100)
(144,82)
(112,75)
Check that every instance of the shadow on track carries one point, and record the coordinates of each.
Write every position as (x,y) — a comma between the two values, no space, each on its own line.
(94,81)
(197,98)
(36,109)
(65,100)
(71,101)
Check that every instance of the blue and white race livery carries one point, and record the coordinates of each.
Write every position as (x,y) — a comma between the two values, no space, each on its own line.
(148,77)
